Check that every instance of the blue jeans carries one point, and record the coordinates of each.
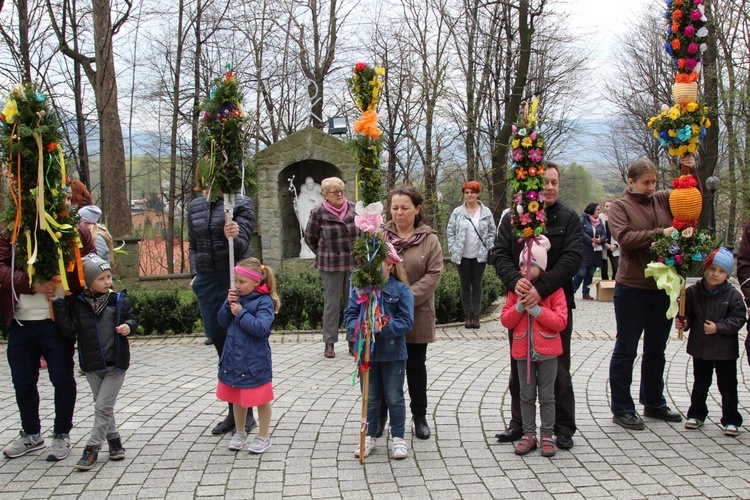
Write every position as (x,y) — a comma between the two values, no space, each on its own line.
(585,275)
(387,382)
(26,345)
(637,312)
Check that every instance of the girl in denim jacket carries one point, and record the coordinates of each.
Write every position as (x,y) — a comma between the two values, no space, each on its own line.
(550,316)
(388,358)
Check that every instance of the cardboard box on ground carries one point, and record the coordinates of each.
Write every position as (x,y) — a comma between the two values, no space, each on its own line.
(605,290)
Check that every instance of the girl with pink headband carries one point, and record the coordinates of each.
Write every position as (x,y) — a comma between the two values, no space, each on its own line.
(245,370)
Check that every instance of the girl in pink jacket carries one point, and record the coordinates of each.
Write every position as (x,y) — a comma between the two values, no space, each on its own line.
(549,318)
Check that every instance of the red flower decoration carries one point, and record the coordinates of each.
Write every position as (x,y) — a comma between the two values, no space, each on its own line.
(51,147)
(359,67)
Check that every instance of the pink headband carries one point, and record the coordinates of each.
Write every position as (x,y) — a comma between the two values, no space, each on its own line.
(248,273)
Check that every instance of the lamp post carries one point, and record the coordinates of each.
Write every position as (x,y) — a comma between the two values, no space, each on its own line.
(712,184)
(338,125)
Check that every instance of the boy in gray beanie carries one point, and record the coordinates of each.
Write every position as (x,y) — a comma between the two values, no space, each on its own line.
(714,314)
(102,320)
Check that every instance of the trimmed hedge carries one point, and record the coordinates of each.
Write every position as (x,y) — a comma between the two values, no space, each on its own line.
(301,296)
(162,311)
(448,307)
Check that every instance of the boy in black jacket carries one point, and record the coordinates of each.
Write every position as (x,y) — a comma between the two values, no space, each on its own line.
(714,314)
(102,320)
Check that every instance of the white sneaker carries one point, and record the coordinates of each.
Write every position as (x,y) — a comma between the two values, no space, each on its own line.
(370,444)
(237,442)
(259,445)
(23,445)
(400,450)
(60,448)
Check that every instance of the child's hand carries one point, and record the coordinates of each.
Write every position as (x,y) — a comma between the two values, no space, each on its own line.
(123,329)
(235,307)
(709,327)
(680,323)
(232,297)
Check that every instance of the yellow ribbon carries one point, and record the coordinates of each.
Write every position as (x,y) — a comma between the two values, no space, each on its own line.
(53,224)
(40,182)
(670,281)
(32,258)
(62,166)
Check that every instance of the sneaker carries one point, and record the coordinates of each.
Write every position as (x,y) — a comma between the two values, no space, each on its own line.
(90,455)
(731,430)
(116,451)
(238,441)
(526,444)
(400,450)
(370,444)
(693,423)
(259,445)
(60,448)
(23,445)
(548,446)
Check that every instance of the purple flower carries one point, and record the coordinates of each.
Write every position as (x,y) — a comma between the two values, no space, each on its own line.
(540,197)
(695,15)
(692,48)
(531,195)
(533,135)
(525,218)
(697,2)
(518,154)
(206,116)
(540,215)
(536,155)
(689,30)
(673,248)
(690,64)
(514,130)
(678,259)
(518,198)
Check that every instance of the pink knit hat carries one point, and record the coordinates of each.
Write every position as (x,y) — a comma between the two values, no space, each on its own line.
(539,247)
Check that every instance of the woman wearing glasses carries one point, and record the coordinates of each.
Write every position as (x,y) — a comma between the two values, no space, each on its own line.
(331,234)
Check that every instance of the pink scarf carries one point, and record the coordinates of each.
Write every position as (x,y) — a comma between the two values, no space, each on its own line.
(594,221)
(338,212)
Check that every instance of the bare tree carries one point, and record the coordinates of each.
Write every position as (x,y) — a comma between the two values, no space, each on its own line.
(100,71)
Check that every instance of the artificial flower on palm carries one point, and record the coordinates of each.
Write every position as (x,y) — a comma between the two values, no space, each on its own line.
(526,175)
(224,167)
(680,128)
(686,37)
(37,218)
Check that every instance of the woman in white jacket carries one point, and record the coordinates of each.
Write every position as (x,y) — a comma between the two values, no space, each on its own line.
(471,233)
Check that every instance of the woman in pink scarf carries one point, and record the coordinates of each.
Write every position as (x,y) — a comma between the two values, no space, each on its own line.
(330,234)
(593,235)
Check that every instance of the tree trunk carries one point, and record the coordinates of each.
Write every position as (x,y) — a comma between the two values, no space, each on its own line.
(709,148)
(513,103)
(23,40)
(114,200)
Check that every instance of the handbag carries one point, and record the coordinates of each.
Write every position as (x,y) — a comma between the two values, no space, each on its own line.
(490,258)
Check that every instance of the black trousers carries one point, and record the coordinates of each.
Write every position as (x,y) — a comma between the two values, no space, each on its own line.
(565,405)
(615,260)
(416,378)
(726,379)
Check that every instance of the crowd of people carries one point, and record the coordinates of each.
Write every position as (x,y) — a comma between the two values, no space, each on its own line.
(538,314)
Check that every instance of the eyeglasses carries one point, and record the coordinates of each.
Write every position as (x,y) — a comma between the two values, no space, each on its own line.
(338,192)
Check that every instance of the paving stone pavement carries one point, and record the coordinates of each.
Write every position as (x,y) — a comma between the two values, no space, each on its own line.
(167,408)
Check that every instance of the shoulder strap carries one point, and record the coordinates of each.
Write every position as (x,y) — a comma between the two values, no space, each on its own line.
(477,231)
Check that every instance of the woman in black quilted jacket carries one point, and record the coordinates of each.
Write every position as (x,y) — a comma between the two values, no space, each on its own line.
(208,234)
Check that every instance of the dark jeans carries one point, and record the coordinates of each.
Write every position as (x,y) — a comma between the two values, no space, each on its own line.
(639,311)
(470,273)
(26,345)
(585,275)
(416,377)
(565,403)
(615,261)
(387,384)
(726,379)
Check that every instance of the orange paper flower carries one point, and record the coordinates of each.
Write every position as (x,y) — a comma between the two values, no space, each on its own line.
(367,125)
(676,44)
(51,147)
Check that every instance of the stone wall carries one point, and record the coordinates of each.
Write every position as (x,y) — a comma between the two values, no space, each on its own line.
(309,152)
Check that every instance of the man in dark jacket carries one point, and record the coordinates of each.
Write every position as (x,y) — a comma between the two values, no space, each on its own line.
(564,259)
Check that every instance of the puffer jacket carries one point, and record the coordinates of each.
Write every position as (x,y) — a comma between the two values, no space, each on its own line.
(208,247)
(398,304)
(550,318)
(99,345)
(725,307)
(460,222)
(246,359)
(563,258)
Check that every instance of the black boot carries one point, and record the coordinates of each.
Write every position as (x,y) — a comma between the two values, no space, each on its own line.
(250,422)
(226,425)
(421,429)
